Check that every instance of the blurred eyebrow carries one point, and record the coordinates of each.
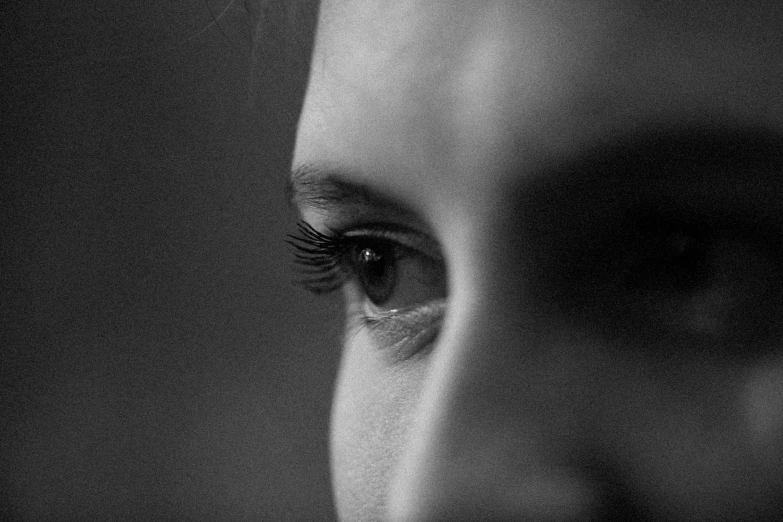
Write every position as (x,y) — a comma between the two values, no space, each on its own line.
(328,189)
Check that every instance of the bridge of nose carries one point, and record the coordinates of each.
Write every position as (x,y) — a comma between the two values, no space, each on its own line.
(506,420)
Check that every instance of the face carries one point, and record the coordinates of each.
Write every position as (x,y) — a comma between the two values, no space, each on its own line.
(556,226)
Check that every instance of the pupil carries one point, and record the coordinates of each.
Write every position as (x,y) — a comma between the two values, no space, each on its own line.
(376,275)
(373,266)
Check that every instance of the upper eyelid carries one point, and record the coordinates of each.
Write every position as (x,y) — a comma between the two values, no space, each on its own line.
(404,236)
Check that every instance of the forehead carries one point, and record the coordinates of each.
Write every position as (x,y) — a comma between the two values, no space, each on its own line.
(421,96)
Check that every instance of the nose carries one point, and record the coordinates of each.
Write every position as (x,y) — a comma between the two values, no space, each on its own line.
(504,428)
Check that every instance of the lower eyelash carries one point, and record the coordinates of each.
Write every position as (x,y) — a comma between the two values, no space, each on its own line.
(318,257)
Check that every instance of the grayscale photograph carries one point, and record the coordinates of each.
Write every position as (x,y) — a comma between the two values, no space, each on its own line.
(391,260)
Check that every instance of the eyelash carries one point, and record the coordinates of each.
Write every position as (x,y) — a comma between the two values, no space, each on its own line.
(319,257)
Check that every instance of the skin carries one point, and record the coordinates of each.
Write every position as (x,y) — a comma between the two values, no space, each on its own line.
(494,129)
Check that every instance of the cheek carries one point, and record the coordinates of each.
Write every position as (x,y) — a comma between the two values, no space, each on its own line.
(373,403)
(710,439)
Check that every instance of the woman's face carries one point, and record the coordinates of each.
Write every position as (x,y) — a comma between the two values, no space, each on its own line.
(556,225)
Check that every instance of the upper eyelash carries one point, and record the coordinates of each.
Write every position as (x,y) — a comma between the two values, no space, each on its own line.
(324,258)
(319,257)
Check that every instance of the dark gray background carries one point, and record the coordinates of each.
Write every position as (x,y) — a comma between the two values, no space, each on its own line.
(156,362)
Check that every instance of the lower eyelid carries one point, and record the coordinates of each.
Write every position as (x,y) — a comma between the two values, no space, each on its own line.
(404,331)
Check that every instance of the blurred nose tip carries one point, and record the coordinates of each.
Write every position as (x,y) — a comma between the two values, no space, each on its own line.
(552,495)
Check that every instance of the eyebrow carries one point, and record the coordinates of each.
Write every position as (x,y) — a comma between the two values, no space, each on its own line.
(321,188)
(662,154)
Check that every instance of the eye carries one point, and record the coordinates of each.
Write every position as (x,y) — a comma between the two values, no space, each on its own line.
(393,277)
(375,268)
(393,269)
(707,282)
(673,282)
